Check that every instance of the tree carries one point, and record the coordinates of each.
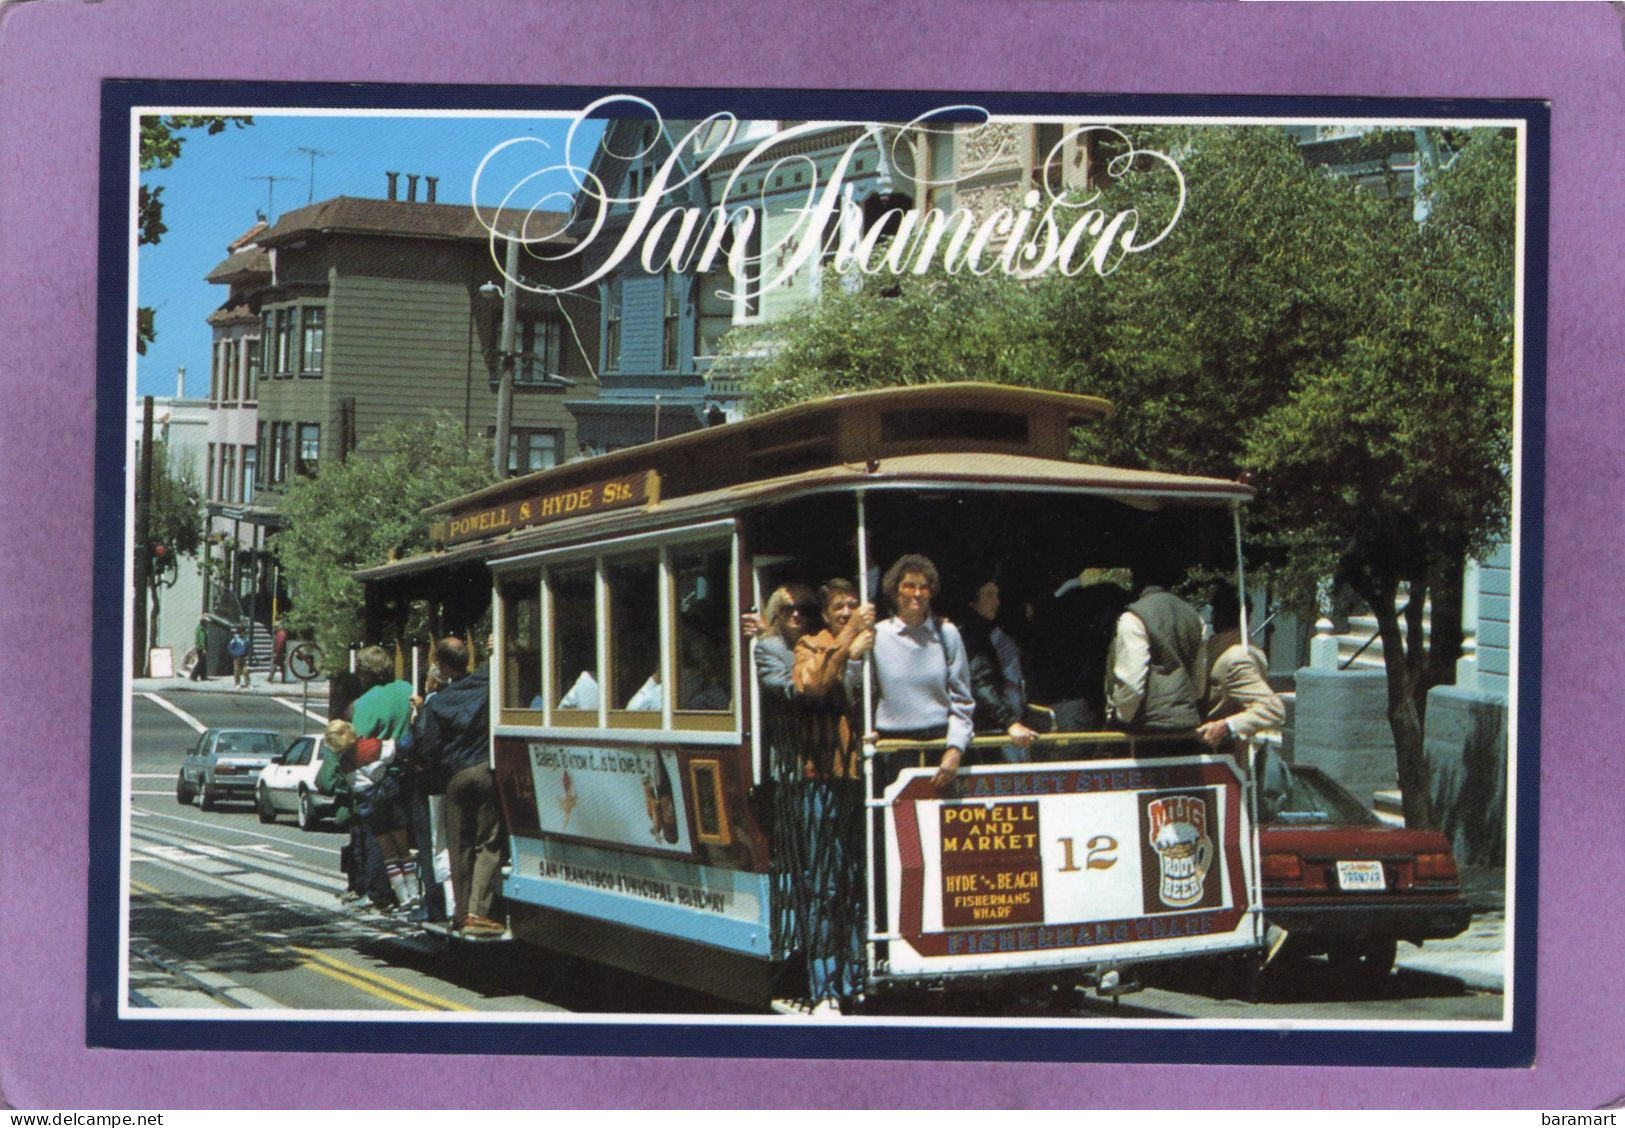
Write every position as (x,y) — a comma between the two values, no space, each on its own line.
(162,137)
(1293,326)
(174,527)
(1391,461)
(367,510)
(916,329)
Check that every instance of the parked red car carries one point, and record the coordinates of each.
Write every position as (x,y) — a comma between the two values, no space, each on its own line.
(1341,881)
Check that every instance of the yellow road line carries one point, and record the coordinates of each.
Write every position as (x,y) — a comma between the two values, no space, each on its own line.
(360,984)
(380,986)
(344,967)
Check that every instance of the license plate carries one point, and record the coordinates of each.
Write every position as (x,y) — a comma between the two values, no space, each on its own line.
(1360,876)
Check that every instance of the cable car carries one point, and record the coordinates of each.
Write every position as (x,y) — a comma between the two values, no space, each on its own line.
(633,746)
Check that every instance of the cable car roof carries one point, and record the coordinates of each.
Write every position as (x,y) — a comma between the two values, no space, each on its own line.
(853,427)
(973,471)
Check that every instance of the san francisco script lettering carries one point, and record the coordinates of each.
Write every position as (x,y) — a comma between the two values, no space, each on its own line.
(1068,232)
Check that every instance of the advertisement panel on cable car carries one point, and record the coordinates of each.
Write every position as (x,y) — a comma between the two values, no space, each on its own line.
(1033,866)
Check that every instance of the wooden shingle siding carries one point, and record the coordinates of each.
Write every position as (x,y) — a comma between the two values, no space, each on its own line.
(401,343)
(1495,621)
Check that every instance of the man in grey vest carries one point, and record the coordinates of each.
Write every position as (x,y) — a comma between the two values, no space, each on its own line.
(1157,674)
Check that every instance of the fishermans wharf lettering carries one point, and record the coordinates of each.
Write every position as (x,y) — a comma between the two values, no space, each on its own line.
(1067,231)
(633,489)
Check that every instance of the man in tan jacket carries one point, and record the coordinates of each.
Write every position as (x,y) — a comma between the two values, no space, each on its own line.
(1240,702)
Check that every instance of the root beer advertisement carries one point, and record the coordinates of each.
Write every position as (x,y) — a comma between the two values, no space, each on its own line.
(1177,852)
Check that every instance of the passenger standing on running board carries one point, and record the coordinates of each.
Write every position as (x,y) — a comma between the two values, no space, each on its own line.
(453,749)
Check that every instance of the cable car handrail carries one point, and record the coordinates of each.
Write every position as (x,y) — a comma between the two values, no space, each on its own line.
(887,745)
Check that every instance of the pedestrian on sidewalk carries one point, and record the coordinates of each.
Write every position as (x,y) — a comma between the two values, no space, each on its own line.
(279,654)
(238,649)
(200,668)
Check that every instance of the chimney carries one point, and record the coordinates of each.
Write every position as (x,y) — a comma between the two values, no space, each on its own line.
(392,178)
(411,187)
(180,382)
(430,182)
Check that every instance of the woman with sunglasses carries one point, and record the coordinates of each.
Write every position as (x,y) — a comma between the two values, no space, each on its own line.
(791,612)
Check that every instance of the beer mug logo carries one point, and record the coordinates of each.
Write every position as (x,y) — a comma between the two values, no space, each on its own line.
(1184,849)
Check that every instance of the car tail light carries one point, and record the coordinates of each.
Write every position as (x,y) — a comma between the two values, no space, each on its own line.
(1435,867)
(1282,867)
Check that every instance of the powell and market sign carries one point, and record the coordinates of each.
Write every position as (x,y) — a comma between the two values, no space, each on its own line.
(616,493)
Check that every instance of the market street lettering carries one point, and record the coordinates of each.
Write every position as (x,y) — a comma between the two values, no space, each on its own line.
(982,786)
(1067,232)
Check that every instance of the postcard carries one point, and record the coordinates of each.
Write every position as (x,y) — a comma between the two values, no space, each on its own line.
(1275,362)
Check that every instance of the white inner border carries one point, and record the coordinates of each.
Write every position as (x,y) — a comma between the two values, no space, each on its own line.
(125,1011)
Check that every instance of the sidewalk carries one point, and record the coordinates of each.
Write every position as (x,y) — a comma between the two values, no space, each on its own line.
(1478,956)
(257,685)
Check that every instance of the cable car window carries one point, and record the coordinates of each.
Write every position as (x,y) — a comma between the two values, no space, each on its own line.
(522,644)
(704,641)
(634,635)
(575,644)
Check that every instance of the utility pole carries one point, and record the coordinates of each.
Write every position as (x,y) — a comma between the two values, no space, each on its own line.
(270,194)
(143,550)
(510,300)
(310,192)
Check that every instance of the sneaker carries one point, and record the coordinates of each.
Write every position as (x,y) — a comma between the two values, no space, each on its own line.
(826,1008)
(417,915)
(482,926)
(348,897)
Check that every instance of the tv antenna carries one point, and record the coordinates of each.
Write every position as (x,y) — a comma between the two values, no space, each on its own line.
(310,194)
(270,194)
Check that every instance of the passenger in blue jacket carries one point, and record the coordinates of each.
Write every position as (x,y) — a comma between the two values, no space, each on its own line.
(452,748)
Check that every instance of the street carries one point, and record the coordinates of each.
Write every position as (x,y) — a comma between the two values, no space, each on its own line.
(230,913)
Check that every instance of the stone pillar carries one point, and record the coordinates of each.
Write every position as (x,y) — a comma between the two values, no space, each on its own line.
(1340,725)
(1467,664)
(1323,647)
(1466,748)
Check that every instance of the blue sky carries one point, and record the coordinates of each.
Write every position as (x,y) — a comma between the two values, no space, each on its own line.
(211,197)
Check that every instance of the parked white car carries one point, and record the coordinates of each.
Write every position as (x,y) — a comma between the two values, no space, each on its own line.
(288,785)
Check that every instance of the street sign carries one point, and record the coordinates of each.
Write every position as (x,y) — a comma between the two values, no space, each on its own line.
(306,661)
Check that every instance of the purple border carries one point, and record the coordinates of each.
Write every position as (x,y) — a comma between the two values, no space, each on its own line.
(55,55)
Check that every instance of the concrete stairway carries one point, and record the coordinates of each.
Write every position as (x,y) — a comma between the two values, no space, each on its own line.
(1362,628)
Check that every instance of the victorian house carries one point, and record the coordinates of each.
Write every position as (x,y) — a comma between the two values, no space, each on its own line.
(352,312)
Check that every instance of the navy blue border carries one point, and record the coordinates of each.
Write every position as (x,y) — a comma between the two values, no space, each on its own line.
(1039,1043)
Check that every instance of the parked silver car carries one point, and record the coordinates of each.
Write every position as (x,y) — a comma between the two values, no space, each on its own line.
(225,764)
